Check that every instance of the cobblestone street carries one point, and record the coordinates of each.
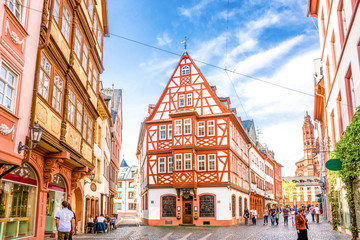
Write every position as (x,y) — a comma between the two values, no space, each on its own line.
(241,231)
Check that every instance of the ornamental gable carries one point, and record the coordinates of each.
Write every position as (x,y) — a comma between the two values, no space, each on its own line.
(187,89)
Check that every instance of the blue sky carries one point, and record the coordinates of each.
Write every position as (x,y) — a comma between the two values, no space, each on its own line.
(269,39)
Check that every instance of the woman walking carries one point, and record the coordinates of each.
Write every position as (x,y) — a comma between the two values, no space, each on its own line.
(266,216)
(286,216)
(292,213)
(246,216)
(301,225)
(272,218)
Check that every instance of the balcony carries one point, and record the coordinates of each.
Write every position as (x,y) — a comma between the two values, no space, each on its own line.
(184,179)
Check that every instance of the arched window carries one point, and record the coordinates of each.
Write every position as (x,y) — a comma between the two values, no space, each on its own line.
(207,208)
(233,200)
(240,207)
(185,70)
(245,203)
(169,206)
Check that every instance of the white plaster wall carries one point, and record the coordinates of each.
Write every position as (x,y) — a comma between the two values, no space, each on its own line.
(154,201)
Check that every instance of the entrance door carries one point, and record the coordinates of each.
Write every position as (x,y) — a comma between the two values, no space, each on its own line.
(187,210)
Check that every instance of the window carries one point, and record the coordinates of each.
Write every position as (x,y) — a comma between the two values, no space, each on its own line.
(120,195)
(57,11)
(170,164)
(77,45)
(85,56)
(189,99)
(7,88)
(119,184)
(201,129)
(169,131)
(71,107)
(211,162)
(240,207)
(207,206)
(178,127)
(131,184)
(185,70)
(95,79)
(57,93)
(44,78)
(90,128)
(131,195)
(132,206)
(99,136)
(119,206)
(65,28)
(169,206)
(178,162)
(162,135)
(245,203)
(187,126)
(201,163)
(181,100)
(187,161)
(85,126)
(79,116)
(90,8)
(16,6)
(211,128)
(90,72)
(233,202)
(350,94)
(342,22)
(161,165)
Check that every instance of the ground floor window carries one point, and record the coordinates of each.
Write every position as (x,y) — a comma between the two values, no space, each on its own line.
(169,206)
(240,207)
(233,200)
(207,206)
(245,203)
(132,206)
(18,193)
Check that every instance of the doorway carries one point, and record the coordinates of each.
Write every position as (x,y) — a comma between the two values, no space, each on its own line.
(187,210)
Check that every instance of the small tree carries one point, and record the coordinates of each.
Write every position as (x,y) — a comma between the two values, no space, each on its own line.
(289,191)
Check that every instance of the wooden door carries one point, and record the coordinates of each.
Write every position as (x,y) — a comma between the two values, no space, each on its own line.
(187,211)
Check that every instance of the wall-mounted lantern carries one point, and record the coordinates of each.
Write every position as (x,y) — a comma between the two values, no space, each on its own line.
(35,136)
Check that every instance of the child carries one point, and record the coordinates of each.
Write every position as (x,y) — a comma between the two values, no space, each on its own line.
(277,217)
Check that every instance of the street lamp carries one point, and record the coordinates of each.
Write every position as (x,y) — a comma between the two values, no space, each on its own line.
(91,177)
(35,136)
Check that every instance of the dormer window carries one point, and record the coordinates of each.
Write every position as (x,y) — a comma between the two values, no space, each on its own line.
(185,70)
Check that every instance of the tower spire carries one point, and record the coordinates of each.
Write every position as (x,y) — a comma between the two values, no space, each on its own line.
(184,42)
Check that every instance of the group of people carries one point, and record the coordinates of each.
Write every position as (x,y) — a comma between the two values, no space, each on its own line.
(66,222)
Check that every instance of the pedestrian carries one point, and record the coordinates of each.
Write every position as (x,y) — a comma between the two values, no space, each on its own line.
(253,216)
(113,221)
(301,225)
(272,218)
(286,215)
(317,213)
(246,216)
(296,210)
(292,213)
(73,227)
(266,216)
(312,211)
(277,215)
(64,219)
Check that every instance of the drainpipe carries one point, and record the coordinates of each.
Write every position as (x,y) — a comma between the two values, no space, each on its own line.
(37,73)
(248,152)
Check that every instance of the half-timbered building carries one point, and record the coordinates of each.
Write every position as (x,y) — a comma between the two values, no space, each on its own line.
(193,155)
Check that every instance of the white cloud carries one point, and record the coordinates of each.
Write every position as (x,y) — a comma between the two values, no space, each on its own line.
(164,39)
(195,10)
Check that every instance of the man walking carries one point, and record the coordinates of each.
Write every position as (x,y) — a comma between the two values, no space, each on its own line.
(64,218)
(312,211)
(317,213)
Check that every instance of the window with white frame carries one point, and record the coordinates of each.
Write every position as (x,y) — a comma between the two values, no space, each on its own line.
(65,25)
(178,127)
(187,161)
(79,114)
(56,12)
(201,129)
(7,88)
(57,93)
(77,44)
(189,99)
(181,100)
(211,128)
(162,134)
(170,164)
(90,8)
(201,163)
(85,57)
(185,70)
(178,162)
(44,78)
(71,107)
(169,131)
(17,6)
(211,162)
(161,165)
(187,126)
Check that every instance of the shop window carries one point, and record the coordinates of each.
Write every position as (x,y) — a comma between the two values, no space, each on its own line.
(168,206)
(207,206)
(8,83)
(18,193)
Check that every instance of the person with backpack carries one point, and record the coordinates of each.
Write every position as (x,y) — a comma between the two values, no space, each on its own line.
(246,215)
(286,216)
(312,211)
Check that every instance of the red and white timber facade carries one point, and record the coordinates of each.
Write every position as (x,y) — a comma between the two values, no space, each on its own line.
(193,155)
